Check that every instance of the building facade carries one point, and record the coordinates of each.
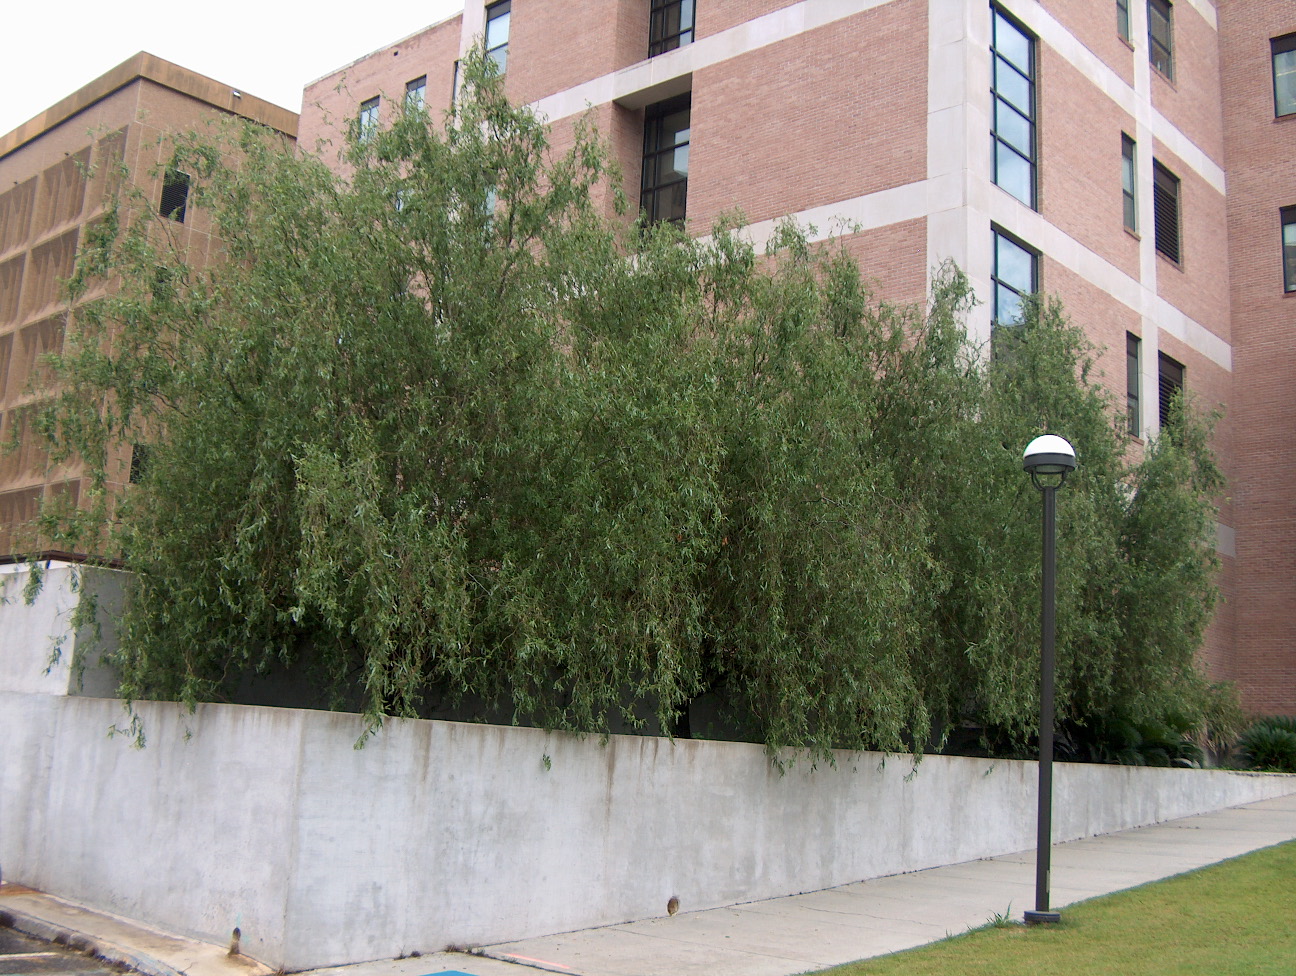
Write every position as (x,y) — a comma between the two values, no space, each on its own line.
(1257,50)
(1135,158)
(56,174)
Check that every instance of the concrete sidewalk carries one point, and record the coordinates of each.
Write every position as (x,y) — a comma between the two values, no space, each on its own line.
(778,937)
(117,940)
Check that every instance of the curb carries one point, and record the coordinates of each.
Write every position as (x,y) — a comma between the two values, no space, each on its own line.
(101,948)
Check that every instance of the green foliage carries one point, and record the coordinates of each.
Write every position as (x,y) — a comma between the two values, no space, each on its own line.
(442,431)
(1116,739)
(1270,745)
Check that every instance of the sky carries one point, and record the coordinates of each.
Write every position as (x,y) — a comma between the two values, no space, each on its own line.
(270,49)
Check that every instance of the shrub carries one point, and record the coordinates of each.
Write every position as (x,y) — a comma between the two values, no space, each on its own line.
(1270,745)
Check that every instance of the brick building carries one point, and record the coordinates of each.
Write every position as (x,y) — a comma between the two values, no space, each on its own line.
(1136,158)
(54,173)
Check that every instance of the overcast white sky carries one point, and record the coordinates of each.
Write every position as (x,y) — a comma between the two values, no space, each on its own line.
(270,48)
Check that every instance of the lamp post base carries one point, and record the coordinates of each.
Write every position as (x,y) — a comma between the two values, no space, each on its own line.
(1042,918)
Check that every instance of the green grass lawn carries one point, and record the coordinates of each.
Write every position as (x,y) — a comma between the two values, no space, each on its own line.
(1238,917)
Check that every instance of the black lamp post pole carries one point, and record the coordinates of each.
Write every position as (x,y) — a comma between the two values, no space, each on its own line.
(1044,833)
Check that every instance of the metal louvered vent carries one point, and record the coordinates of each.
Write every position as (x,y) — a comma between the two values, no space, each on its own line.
(1170,376)
(1165,208)
(175,195)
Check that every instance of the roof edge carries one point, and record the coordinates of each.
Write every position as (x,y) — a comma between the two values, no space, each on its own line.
(162,72)
(458,15)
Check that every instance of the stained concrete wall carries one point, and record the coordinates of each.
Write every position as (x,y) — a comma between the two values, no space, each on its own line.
(437,833)
(40,650)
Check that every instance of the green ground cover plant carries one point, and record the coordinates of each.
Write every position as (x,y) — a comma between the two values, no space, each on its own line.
(1230,919)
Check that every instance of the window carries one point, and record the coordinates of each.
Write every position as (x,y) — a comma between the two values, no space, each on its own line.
(670,25)
(664,190)
(1165,208)
(497,33)
(1284,72)
(1015,275)
(1129,178)
(454,85)
(368,121)
(1289,248)
(139,463)
(1133,383)
(1012,127)
(1170,382)
(1122,19)
(175,195)
(415,92)
(1161,37)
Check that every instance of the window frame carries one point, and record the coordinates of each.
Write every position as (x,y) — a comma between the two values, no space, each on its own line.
(659,39)
(1167,193)
(171,179)
(367,119)
(1129,183)
(651,189)
(997,281)
(1123,30)
(999,99)
(1133,384)
(498,53)
(1158,46)
(1170,380)
(1287,220)
(1286,44)
(416,94)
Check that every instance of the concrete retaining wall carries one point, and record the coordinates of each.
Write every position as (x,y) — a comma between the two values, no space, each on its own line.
(440,833)
(40,650)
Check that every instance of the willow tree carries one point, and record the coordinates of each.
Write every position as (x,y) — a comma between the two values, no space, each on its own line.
(442,430)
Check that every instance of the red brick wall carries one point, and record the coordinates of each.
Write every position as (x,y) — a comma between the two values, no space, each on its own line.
(714,16)
(828,115)
(554,46)
(1198,285)
(1219,650)
(1080,178)
(332,101)
(1212,387)
(1094,25)
(1104,320)
(621,129)
(893,261)
(1261,155)
(1192,101)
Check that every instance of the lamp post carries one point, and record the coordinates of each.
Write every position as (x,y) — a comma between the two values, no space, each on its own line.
(1048,459)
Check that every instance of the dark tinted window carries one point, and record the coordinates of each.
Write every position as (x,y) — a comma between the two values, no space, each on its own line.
(670,25)
(1161,37)
(175,195)
(664,190)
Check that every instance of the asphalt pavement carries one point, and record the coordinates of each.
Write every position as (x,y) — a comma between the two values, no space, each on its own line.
(776,937)
(22,955)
